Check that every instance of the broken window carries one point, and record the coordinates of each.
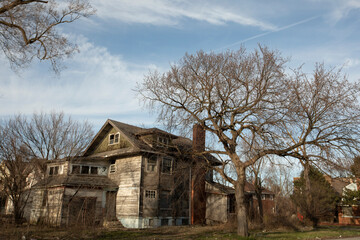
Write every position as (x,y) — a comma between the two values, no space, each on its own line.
(151,194)
(75,169)
(167,165)
(54,170)
(114,138)
(94,170)
(263,197)
(85,169)
(151,164)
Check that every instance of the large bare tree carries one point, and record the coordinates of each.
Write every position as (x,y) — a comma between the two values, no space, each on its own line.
(324,113)
(242,99)
(28,29)
(25,146)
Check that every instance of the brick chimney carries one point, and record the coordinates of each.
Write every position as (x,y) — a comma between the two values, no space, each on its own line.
(198,138)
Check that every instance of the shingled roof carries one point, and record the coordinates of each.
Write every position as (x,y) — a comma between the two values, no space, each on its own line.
(249,188)
(133,134)
(77,181)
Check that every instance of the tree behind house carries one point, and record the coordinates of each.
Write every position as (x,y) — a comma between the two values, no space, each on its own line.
(26,144)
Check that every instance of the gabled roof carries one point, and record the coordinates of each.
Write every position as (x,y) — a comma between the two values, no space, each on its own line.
(133,135)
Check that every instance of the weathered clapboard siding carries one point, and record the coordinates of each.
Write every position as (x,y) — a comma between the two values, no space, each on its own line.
(150,181)
(127,176)
(104,146)
(72,193)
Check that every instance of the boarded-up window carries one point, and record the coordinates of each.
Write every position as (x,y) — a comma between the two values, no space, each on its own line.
(151,164)
(75,169)
(167,165)
(165,199)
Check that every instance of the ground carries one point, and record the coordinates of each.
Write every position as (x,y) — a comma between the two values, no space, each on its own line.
(10,232)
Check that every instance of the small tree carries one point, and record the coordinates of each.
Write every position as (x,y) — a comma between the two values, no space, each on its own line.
(25,146)
(323,197)
(29,29)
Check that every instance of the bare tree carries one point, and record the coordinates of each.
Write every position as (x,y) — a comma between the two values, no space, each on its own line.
(28,29)
(247,102)
(26,145)
(324,114)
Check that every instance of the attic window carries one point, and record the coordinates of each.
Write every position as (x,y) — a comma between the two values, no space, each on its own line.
(114,138)
(163,141)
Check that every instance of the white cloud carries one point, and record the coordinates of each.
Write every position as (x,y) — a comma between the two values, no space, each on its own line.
(96,83)
(341,8)
(167,12)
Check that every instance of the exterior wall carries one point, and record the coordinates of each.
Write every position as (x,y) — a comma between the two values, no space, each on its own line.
(216,208)
(127,176)
(349,215)
(96,212)
(47,208)
(150,181)
(104,144)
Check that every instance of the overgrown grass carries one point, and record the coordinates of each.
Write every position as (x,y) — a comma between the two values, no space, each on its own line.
(172,233)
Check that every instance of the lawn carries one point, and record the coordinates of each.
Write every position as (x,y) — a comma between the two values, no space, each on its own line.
(173,233)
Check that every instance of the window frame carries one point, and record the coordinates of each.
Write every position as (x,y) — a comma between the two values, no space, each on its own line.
(153,164)
(170,170)
(54,170)
(112,168)
(114,138)
(150,194)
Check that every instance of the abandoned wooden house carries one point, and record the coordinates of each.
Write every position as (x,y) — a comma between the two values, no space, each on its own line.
(140,177)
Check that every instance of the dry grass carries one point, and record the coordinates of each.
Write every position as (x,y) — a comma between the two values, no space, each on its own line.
(10,232)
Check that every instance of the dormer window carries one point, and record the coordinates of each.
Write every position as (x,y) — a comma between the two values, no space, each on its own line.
(114,138)
(163,141)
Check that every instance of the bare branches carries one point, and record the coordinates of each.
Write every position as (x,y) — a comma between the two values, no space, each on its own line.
(254,110)
(29,30)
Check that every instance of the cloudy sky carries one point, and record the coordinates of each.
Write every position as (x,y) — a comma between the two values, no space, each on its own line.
(128,38)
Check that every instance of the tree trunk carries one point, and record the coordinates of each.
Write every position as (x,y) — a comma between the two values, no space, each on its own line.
(258,192)
(309,199)
(241,211)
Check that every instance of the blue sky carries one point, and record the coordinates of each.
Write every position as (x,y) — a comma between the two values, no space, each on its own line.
(127,38)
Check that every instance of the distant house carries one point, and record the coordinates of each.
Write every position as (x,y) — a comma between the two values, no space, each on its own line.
(220,202)
(140,177)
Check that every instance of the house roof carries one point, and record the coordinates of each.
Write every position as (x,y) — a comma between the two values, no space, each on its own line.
(133,134)
(77,181)
(339,183)
(249,188)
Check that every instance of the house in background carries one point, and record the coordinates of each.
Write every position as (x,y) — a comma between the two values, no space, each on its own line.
(140,177)
(220,202)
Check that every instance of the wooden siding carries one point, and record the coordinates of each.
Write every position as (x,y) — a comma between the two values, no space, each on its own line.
(127,176)
(104,143)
